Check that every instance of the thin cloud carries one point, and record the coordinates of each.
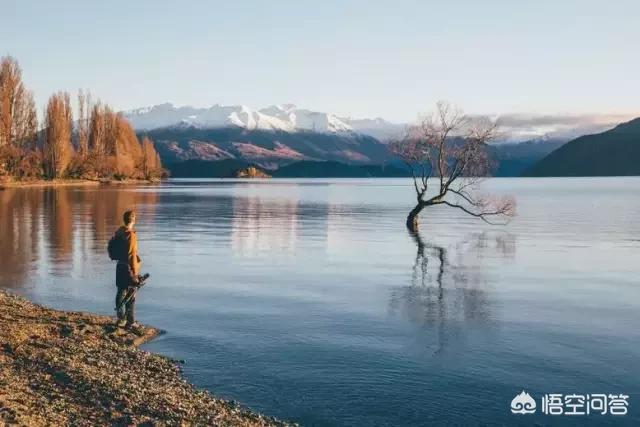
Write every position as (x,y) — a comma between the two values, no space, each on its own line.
(561,126)
(567,120)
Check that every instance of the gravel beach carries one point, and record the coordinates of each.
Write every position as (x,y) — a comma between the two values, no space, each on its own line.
(72,368)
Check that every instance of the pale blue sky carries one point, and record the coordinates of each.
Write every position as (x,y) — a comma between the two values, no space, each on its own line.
(360,58)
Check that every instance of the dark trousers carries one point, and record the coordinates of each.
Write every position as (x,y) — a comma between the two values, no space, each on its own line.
(127,311)
(124,282)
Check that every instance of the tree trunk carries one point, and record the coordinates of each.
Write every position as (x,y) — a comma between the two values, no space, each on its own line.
(412,218)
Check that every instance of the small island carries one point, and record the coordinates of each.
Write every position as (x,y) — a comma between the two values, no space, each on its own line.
(74,368)
(251,172)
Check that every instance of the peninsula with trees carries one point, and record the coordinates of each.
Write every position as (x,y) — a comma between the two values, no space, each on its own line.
(98,145)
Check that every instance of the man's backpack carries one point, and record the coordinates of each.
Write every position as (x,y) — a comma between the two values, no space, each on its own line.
(115,247)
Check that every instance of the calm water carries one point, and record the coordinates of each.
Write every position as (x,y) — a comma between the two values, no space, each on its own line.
(308,300)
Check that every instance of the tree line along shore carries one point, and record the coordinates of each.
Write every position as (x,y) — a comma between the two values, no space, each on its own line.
(73,368)
(97,145)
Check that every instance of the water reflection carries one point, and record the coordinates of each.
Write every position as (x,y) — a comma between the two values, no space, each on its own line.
(20,226)
(260,227)
(58,218)
(449,292)
(53,228)
(310,302)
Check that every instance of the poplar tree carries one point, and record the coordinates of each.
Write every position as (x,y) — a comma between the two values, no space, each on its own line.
(57,147)
(18,119)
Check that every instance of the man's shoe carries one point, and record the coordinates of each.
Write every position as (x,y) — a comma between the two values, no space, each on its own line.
(121,323)
(135,326)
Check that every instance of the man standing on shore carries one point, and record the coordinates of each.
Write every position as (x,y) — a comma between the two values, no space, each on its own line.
(127,270)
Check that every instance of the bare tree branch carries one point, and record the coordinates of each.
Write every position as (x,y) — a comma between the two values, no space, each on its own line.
(482,215)
(453,146)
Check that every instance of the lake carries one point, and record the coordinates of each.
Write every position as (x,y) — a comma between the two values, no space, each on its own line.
(308,299)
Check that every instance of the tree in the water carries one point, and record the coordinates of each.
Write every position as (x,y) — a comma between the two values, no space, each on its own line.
(447,156)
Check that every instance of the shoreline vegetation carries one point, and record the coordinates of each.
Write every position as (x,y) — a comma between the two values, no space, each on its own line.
(97,144)
(76,368)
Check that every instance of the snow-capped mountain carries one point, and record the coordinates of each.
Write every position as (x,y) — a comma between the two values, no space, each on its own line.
(286,117)
(307,120)
(216,116)
(378,128)
(242,134)
(290,118)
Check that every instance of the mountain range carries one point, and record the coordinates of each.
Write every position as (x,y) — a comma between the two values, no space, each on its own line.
(615,152)
(283,117)
(290,118)
(278,136)
(229,168)
(266,148)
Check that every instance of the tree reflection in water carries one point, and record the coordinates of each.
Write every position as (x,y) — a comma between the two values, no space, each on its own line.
(449,294)
(54,231)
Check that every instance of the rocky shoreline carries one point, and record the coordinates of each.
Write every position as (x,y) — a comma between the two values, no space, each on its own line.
(73,368)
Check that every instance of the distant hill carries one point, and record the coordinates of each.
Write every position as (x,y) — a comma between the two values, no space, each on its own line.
(615,152)
(266,148)
(307,153)
(195,168)
(311,169)
(232,168)
(513,159)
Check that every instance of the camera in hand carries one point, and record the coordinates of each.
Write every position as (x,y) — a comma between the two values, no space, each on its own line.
(142,279)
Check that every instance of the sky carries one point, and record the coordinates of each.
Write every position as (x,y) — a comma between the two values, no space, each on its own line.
(391,59)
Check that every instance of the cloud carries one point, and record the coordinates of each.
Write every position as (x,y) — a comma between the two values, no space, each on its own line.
(561,126)
(568,120)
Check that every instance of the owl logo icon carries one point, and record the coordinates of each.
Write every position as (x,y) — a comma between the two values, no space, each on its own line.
(523,403)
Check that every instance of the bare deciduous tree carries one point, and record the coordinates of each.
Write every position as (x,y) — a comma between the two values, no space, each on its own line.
(99,128)
(57,148)
(447,156)
(18,122)
(108,146)
(114,147)
(150,165)
(84,117)
(126,148)
(97,143)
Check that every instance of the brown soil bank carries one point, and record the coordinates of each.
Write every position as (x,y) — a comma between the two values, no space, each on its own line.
(70,368)
(9,183)
(45,183)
